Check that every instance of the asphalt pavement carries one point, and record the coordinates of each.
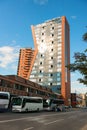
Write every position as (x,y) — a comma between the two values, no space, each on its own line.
(71,120)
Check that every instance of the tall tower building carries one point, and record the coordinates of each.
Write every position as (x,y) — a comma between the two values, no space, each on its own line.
(25,62)
(52,54)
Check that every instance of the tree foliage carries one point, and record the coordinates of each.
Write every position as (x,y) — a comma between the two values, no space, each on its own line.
(85,37)
(80,63)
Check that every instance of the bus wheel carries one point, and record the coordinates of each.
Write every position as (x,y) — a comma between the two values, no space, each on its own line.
(27,110)
(55,109)
(37,109)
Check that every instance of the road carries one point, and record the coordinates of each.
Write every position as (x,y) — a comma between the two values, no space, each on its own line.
(72,120)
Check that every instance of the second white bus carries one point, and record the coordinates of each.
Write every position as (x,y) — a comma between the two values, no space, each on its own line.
(53,104)
(26,103)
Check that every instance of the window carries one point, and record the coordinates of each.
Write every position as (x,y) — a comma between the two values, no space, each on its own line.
(50,84)
(58,79)
(42,55)
(51,49)
(59,37)
(32,100)
(42,40)
(43,27)
(40,71)
(31,90)
(52,35)
(52,42)
(22,87)
(39,80)
(58,74)
(51,66)
(52,27)
(51,57)
(51,75)
(1,81)
(42,33)
(16,86)
(40,63)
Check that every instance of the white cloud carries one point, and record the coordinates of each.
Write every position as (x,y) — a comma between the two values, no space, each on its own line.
(72,74)
(73,17)
(75,83)
(8,55)
(79,89)
(13,41)
(76,86)
(41,2)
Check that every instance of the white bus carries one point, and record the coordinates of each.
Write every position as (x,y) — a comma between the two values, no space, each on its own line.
(4,100)
(53,104)
(26,103)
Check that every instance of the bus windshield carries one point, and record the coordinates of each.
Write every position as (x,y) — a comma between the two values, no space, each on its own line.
(46,103)
(17,101)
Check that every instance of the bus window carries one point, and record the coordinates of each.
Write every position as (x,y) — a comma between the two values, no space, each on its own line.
(24,102)
(4,96)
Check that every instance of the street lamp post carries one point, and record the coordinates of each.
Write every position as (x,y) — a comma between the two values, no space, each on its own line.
(86,99)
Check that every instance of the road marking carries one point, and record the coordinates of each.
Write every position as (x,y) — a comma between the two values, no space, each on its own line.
(29,128)
(72,117)
(53,122)
(4,121)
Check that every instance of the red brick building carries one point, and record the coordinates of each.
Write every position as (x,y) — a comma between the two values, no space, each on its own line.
(20,86)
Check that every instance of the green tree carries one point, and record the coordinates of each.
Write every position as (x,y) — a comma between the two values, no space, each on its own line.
(85,37)
(80,63)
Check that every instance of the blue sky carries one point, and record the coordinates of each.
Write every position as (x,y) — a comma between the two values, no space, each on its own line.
(16,17)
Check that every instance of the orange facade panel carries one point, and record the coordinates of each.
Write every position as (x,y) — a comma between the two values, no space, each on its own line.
(65,88)
(25,59)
